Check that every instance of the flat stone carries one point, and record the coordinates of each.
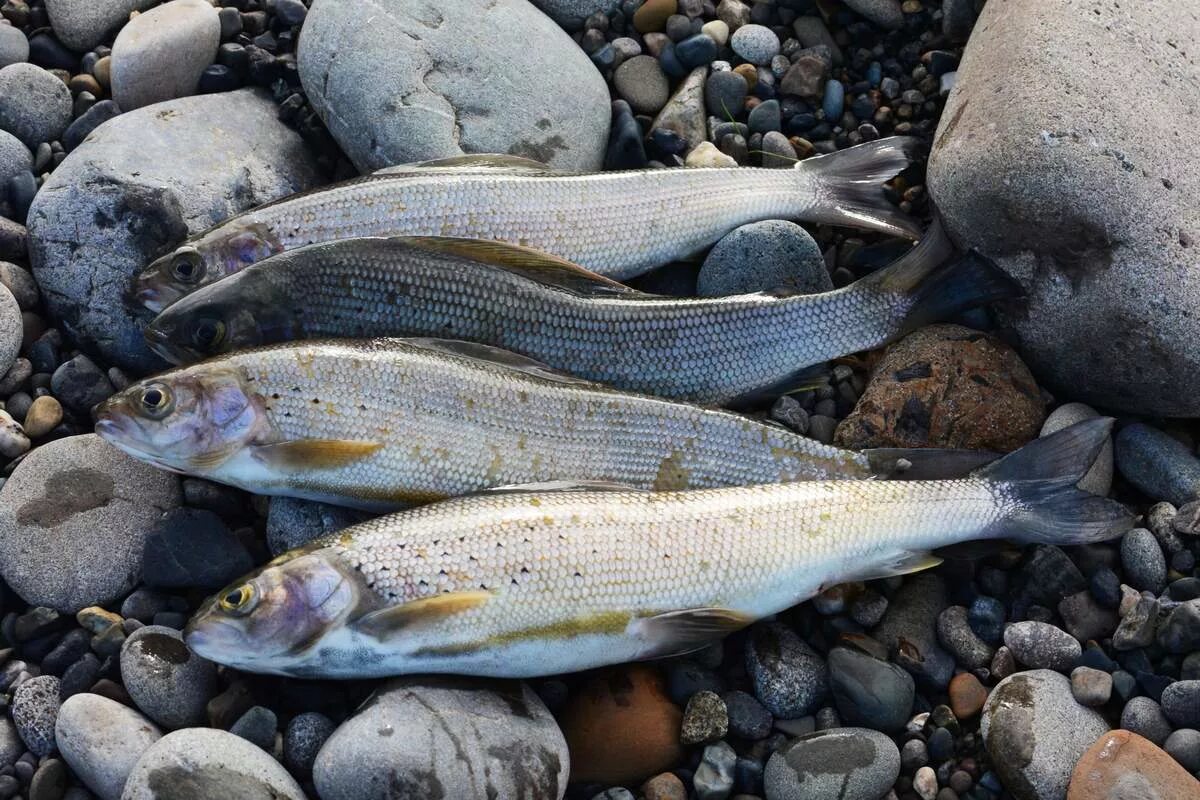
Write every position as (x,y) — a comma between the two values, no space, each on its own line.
(109,209)
(641,82)
(764,256)
(1123,765)
(407,87)
(841,762)
(160,54)
(81,496)
(202,762)
(83,24)
(684,113)
(869,692)
(1112,285)
(908,629)
(101,740)
(170,684)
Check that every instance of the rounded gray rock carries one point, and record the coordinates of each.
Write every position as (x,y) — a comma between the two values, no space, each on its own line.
(909,629)
(15,157)
(884,13)
(1040,645)
(82,24)
(1098,479)
(11,329)
(11,746)
(461,737)
(571,13)
(407,87)
(1145,717)
(764,256)
(20,282)
(1035,733)
(170,684)
(757,44)
(110,208)
(101,740)
(840,762)
(160,54)
(1184,746)
(1181,703)
(956,635)
(35,106)
(203,762)
(1143,560)
(35,707)
(292,522)
(304,737)
(790,678)
(81,496)
(14,47)
(642,83)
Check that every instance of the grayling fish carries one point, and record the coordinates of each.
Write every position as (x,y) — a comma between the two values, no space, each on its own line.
(617,224)
(706,350)
(380,423)
(525,583)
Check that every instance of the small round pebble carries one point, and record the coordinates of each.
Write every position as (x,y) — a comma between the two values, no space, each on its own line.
(1143,560)
(1181,703)
(35,106)
(35,706)
(789,677)
(169,682)
(1091,687)
(43,416)
(258,725)
(757,44)
(640,82)
(714,777)
(1183,745)
(1040,645)
(101,740)
(1145,717)
(303,739)
(748,719)
(764,256)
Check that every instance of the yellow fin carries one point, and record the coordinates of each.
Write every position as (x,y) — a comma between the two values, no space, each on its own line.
(315,453)
(524,261)
(676,632)
(388,622)
(903,562)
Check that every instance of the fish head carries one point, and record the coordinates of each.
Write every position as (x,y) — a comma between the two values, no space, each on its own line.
(222,251)
(190,420)
(276,614)
(237,313)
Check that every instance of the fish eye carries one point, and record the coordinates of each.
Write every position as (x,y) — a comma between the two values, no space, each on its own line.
(187,265)
(156,401)
(208,334)
(239,601)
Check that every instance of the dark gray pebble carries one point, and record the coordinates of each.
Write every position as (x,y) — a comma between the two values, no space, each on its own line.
(869,692)
(302,740)
(191,547)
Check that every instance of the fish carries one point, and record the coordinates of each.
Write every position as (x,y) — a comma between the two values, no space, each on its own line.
(718,351)
(377,424)
(617,224)
(528,582)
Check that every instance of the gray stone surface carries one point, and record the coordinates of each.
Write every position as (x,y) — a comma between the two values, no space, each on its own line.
(81,24)
(884,13)
(10,329)
(203,762)
(1098,479)
(159,55)
(571,13)
(20,282)
(292,522)
(764,256)
(11,746)
(909,629)
(101,740)
(35,707)
(641,82)
(14,47)
(80,496)
(408,86)
(789,677)
(684,112)
(1089,196)
(110,208)
(1035,733)
(35,106)
(170,684)
(417,737)
(1041,645)
(841,762)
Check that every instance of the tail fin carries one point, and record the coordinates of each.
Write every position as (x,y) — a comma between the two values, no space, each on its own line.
(1040,480)
(848,186)
(971,281)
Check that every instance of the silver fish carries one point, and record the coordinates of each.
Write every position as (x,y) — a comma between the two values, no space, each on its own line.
(526,583)
(709,350)
(380,423)
(618,224)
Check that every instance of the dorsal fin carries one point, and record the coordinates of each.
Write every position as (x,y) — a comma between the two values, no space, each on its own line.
(524,261)
(474,162)
(563,486)
(499,357)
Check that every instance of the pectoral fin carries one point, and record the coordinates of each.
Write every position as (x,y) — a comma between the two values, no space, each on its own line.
(388,622)
(678,632)
(315,453)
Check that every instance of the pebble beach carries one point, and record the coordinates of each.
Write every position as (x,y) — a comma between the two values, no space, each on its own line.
(1051,143)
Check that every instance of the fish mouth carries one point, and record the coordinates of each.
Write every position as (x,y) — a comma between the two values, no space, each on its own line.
(160,342)
(144,295)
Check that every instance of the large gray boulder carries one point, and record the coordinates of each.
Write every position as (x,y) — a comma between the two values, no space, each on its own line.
(140,184)
(1089,196)
(83,24)
(429,79)
(445,736)
(73,521)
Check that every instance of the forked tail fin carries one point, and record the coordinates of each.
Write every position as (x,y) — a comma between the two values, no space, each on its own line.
(848,186)
(1039,480)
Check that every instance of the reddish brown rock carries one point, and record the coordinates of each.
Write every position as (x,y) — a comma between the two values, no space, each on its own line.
(967,695)
(1122,765)
(946,386)
(621,728)
(664,787)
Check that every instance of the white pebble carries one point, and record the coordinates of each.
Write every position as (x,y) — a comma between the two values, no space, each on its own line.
(716,30)
(706,154)
(13,441)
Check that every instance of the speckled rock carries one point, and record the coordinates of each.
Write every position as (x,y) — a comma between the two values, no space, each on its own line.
(407,87)
(1040,645)
(1098,479)
(764,256)
(82,24)
(1113,284)
(81,496)
(1035,733)
(15,157)
(884,13)
(169,682)
(35,706)
(789,677)
(14,47)
(946,386)
(461,737)
(35,106)
(292,522)
(10,329)
(203,763)
(110,208)
(842,762)
(159,55)
(1181,703)
(101,740)
(1123,765)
